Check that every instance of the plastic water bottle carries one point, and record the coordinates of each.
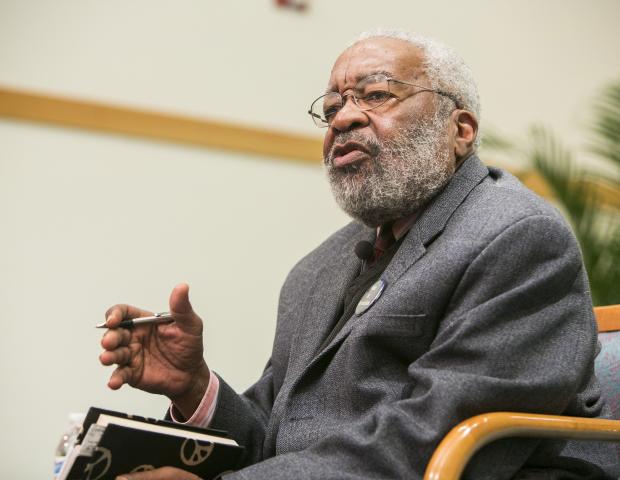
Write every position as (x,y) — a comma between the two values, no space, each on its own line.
(67,441)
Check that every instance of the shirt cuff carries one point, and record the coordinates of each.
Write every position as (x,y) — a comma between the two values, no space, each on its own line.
(204,413)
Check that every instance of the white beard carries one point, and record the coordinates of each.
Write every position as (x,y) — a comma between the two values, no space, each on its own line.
(402,175)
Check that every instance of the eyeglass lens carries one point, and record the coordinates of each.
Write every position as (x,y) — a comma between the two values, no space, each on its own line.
(369,93)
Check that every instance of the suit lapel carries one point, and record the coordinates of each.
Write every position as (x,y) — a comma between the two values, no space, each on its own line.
(338,270)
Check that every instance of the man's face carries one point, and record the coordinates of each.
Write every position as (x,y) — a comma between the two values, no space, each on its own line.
(387,162)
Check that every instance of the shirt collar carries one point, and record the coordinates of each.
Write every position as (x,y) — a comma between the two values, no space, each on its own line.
(401,226)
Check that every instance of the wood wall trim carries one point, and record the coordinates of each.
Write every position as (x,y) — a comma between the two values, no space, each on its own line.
(608,194)
(22,105)
(56,110)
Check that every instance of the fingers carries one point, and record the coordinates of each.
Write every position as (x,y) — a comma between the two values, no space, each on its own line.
(119,337)
(120,356)
(117,352)
(115,341)
(119,377)
(182,310)
(165,473)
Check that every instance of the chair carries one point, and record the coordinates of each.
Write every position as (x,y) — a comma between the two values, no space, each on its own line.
(463,441)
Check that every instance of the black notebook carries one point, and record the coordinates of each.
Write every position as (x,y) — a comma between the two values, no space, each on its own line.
(112,443)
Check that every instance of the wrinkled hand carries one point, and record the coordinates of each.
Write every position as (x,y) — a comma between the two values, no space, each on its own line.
(160,358)
(165,473)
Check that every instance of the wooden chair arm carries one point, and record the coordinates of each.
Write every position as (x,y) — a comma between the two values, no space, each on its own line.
(460,444)
(607,318)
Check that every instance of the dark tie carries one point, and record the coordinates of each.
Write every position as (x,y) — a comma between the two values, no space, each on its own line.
(385,239)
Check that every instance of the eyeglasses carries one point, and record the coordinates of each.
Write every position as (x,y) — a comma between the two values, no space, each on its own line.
(370,92)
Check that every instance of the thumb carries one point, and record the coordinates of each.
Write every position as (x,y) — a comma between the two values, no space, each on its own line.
(182,311)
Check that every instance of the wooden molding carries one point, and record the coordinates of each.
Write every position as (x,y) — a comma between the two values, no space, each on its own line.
(608,194)
(21,105)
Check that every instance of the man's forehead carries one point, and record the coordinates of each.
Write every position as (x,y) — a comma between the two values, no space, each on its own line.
(392,57)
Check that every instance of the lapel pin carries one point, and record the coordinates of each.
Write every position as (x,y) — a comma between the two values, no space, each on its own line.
(370,297)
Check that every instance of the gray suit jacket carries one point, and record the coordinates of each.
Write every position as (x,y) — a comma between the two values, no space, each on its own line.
(486,309)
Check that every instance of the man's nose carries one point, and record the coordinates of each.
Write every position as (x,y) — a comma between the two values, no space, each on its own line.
(350,116)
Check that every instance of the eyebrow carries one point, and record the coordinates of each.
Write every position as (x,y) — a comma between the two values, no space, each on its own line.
(361,76)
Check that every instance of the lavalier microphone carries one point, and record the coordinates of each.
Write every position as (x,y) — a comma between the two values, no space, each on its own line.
(364,250)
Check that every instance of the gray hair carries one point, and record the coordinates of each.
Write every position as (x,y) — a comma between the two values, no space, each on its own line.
(445,68)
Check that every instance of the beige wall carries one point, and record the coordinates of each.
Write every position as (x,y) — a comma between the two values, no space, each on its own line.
(248,61)
(90,219)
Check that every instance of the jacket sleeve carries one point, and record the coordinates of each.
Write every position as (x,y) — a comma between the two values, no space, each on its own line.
(245,416)
(517,335)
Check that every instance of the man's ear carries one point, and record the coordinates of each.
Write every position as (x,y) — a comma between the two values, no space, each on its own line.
(465,132)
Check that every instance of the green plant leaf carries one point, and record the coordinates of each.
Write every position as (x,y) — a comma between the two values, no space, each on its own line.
(597,229)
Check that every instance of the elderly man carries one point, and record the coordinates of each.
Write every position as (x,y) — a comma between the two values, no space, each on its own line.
(466,294)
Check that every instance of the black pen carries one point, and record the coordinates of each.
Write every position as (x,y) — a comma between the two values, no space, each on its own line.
(163,317)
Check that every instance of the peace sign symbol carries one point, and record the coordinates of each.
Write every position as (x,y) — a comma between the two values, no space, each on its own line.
(105,457)
(194,452)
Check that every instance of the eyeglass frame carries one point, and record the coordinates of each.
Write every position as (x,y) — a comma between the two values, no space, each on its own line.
(325,123)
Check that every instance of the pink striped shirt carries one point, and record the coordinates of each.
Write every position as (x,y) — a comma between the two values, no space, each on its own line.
(206,408)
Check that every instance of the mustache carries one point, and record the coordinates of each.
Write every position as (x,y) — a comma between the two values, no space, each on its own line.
(371,144)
